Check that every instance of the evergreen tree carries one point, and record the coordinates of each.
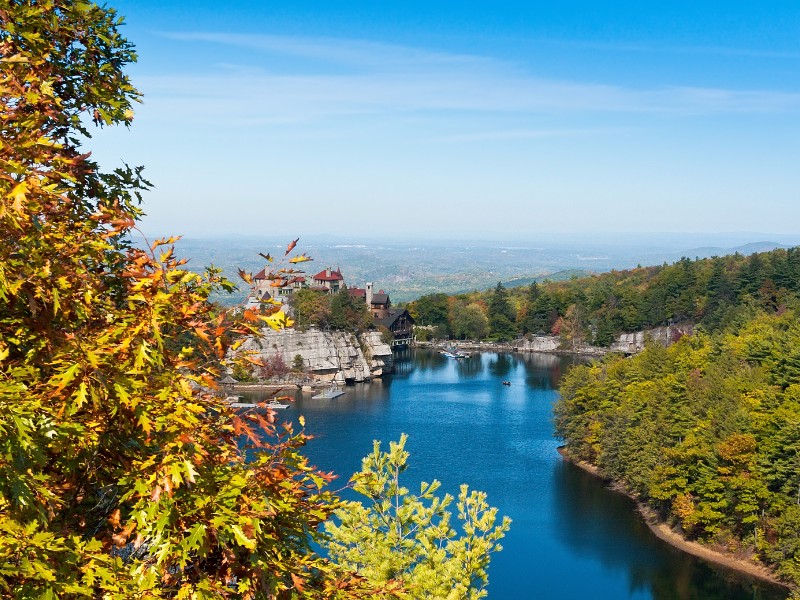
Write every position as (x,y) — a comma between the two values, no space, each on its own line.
(502,316)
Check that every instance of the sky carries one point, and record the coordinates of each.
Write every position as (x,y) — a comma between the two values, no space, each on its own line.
(464,119)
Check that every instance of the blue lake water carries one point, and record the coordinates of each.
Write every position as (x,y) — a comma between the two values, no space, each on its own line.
(571,538)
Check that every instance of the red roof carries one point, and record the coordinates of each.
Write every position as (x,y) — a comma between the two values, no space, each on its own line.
(334,276)
(262,274)
(357,292)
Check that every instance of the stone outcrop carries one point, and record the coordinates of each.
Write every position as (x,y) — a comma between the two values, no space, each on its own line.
(626,343)
(539,343)
(631,343)
(327,355)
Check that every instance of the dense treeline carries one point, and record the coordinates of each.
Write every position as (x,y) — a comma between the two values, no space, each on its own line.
(339,311)
(707,431)
(713,292)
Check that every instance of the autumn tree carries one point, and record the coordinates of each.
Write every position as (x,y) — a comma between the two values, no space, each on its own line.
(310,307)
(469,321)
(431,309)
(570,328)
(120,475)
(349,313)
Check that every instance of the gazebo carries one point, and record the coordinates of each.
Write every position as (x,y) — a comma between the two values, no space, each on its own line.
(227,383)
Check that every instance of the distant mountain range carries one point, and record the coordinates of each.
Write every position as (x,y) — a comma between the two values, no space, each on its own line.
(409,269)
(745,249)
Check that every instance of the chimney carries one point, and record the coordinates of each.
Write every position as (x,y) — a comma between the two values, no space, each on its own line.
(328,272)
(369,293)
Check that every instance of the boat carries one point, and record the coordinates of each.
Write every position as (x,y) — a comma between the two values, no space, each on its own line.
(506,383)
(329,394)
(275,405)
(236,402)
(453,352)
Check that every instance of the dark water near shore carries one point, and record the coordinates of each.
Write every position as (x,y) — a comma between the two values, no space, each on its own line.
(571,538)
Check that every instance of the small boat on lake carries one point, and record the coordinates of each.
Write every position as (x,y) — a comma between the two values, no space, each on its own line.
(506,383)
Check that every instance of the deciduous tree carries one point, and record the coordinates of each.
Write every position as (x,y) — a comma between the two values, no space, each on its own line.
(120,477)
(396,536)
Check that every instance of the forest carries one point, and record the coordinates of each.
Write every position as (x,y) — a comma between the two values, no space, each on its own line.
(713,293)
(706,431)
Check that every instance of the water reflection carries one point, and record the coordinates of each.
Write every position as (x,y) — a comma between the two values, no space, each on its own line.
(470,367)
(429,360)
(500,365)
(601,525)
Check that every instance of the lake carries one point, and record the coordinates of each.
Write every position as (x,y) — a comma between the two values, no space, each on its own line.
(571,538)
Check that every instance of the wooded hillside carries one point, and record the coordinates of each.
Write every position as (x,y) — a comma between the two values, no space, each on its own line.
(713,292)
(707,431)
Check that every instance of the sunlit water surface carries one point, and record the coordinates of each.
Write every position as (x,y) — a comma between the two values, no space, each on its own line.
(571,538)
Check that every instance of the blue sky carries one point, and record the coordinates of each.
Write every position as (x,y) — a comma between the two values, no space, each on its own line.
(459,119)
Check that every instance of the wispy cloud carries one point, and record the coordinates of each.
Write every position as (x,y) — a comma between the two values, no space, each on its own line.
(384,79)
(362,54)
(650,48)
(521,134)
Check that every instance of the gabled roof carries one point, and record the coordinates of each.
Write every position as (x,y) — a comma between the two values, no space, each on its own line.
(334,275)
(380,299)
(357,292)
(393,316)
(262,274)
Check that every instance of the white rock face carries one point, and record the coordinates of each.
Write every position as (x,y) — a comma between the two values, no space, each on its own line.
(630,343)
(328,355)
(540,343)
(627,343)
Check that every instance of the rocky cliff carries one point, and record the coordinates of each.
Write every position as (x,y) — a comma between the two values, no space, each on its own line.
(327,355)
(626,343)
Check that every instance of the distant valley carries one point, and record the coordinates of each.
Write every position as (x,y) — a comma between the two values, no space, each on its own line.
(409,269)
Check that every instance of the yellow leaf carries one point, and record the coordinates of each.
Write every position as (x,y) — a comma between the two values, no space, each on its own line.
(299,259)
(67,376)
(242,538)
(145,423)
(17,58)
(80,395)
(18,195)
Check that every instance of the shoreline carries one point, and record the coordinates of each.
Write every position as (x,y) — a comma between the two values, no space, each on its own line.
(663,532)
(477,346)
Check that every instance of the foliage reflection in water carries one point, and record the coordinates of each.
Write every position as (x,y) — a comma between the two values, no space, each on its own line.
(571,537)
